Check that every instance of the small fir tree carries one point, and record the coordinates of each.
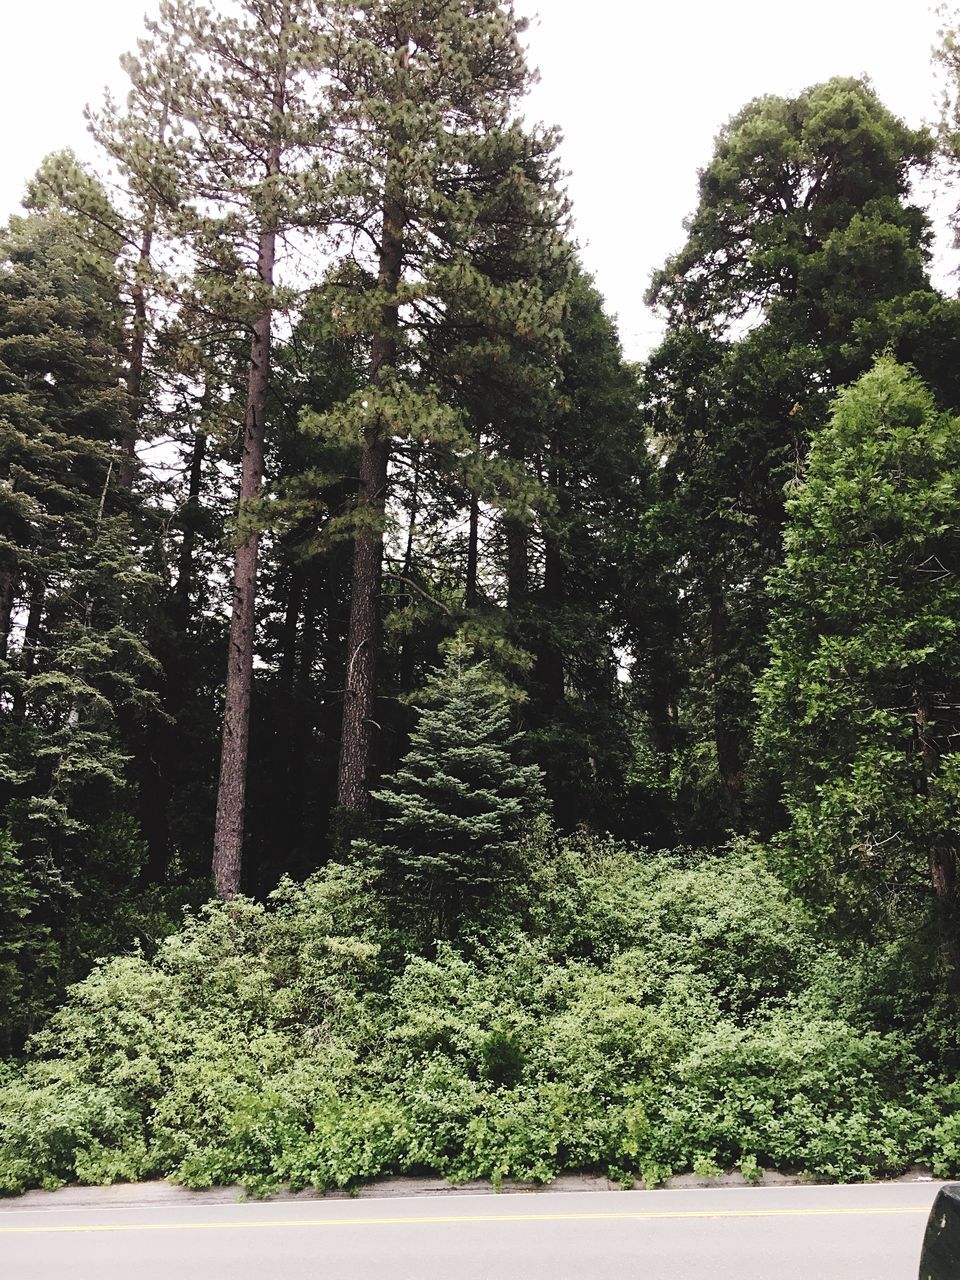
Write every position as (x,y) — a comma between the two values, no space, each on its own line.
(457,805)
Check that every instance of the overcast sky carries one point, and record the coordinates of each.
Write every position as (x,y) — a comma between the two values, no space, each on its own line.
(639,88)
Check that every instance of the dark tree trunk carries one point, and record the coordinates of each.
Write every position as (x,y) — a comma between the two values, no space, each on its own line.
(363,639)
(231,794)
(8,586)
(550,674)
(518,561)
(471,593)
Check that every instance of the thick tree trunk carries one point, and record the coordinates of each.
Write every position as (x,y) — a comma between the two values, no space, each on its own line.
(363,640)
(231,793)
(471,595)
(518,561)
(232,788)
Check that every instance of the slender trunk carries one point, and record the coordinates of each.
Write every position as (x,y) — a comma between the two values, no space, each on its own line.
(471,592)
(231,792)
(363,639)
(550,665)
(188,544)
(138,337)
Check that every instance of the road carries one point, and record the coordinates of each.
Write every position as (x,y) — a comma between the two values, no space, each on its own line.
(767,1233)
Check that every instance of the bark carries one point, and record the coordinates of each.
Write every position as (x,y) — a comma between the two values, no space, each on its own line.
(471,591)
(518,561)
(363,639)
(138,337)
(231,792)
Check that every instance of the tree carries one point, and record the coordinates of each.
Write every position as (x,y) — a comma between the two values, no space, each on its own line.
(79,671)
(456,807)
(437,172)
(860,703)
(240,95)
(801,258)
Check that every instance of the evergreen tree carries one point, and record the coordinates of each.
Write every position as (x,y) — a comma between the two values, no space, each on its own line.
(802,258)
(456,807)
(240,93)
(861,700)
(438,174)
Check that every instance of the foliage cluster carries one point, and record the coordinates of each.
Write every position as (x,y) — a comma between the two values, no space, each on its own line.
(635,1013)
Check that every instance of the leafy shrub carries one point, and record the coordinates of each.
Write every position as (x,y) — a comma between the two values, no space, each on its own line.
(635,1014)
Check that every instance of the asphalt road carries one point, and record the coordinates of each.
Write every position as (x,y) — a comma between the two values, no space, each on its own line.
(775,1233)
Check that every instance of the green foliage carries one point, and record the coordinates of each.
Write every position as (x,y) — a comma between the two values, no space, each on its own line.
(859,702)
(455,808)
(631,1013)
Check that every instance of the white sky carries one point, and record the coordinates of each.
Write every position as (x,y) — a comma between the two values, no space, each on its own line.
(639,88)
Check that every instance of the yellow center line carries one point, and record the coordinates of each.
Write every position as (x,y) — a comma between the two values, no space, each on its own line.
(438,1219)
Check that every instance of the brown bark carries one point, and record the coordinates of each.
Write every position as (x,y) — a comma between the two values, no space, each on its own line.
(518,561)
(363,638)
(471,591)
(232,788)
(138,337)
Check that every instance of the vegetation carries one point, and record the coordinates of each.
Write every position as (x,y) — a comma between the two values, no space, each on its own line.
(429,741)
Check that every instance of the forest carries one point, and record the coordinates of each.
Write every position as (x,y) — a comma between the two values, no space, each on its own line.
(429,741)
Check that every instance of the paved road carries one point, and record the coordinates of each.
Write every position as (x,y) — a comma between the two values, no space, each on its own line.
(776,1233)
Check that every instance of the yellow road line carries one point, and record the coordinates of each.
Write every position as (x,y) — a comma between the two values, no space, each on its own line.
(434,1220)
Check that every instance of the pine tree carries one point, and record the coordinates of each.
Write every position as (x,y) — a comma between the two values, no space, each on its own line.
(438,173)
(456,807)
(240,94)
(861,701)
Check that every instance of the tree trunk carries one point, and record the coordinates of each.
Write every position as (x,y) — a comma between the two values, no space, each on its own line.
(138,337)
(231,793)
(471,593)
(363,640)
(518,563)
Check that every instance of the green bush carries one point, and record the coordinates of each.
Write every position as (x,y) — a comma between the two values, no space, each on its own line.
(635,1014)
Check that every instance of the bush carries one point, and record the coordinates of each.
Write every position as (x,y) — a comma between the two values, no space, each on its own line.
(633,1014)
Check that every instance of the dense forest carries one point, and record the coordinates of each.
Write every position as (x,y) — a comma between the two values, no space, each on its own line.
(428,740)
